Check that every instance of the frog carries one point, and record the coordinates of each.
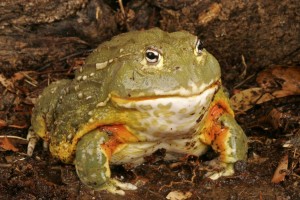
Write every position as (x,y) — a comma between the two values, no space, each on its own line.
(137,93)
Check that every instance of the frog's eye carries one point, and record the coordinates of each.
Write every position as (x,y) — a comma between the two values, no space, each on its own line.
(199,47)
(152,56)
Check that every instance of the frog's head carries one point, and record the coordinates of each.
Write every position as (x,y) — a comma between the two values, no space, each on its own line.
(154,63)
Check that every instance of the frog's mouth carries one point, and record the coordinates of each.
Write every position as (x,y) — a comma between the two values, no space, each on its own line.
(159,95)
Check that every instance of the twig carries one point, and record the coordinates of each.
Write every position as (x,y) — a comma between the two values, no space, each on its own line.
(244,81)
(64,58)
(122,8)
(124,14)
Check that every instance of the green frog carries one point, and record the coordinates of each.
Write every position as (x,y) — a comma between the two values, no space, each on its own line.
(137,93)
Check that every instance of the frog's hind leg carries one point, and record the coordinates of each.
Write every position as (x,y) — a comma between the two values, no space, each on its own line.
(92,164)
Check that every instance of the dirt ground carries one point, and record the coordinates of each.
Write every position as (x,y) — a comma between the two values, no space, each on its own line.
(246,37)
(42,177)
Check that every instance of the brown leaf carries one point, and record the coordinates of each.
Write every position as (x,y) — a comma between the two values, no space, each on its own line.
(275,82)
(7,145)
(210,14)
(257,159)
(178,195)
(23,74)
(264,98)
(7,83)
(2,123)
(274,117)
(246,99)
(280,81)
(280,171)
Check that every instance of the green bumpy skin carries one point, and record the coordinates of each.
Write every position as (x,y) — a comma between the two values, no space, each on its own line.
(137,93)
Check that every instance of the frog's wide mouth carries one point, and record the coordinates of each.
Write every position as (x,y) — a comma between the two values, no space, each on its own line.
(121,101)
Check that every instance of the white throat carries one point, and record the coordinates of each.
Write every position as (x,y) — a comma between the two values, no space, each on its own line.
(169,116)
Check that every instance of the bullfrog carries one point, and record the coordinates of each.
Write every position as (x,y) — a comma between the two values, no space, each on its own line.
(137,93)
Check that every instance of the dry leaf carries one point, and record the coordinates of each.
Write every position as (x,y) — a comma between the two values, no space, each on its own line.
(257,159)
(7,145)
(7,83)
(293,142)
(246,99)
(264,98)
(2,123)
(178,195)
(23,74)
(274,118)
(274,83)
(210,14)
(280,171)
(8,142)
(280,81)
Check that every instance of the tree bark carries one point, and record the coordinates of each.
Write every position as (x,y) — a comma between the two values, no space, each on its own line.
(36,33)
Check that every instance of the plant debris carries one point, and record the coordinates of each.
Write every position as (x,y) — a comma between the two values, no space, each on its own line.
(281,170)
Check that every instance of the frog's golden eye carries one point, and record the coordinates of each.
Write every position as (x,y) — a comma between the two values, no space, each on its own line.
(152,56)
(199,47)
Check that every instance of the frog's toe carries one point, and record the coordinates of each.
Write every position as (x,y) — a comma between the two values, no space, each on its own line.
(123,186)
(220,169)
(114,190)
(117,187)
(32,140)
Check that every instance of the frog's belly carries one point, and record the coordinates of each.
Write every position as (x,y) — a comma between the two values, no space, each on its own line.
(169,117)
(134,153)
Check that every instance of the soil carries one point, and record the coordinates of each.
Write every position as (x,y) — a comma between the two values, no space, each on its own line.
(240,34)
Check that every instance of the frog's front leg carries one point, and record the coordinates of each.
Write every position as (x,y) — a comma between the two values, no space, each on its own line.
(33,138)
(224,135)
(92,164)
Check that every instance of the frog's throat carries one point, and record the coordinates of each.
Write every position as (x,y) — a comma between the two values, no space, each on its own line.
(168,115)
(123,102)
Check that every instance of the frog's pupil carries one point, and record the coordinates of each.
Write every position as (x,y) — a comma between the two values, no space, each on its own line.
(151,56)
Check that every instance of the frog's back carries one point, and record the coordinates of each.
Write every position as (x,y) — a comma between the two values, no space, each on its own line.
(43,114)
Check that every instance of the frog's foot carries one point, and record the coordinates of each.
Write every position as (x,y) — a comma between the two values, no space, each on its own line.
(220,169)
(32,140)
(116,187)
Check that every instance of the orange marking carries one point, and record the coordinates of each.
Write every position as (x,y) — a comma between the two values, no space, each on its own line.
(216,111)
(225,105)
(215,134)
(118,135)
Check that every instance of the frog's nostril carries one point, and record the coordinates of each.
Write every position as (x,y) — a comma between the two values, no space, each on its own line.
(177,68)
